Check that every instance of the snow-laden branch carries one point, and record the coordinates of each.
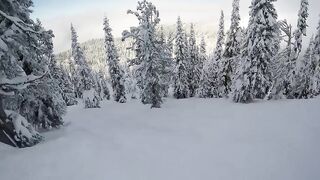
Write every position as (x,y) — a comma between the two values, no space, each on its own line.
(21,82)
(19,23)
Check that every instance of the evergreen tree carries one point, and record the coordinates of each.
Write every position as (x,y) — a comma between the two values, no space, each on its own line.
(232,50)
(166,64)
(218,55)
(72,74)
(316,60)
(42,104)
(170,41)
(232,45)
(116,73)
(74,62)
(130,83)
(306,87)
(83,78)
(103,87)
(65,84)
(181,89)
(301,28)
(148,58)
(286,76)
(24,59)
(204,90)
(294,76)
(308,84)
(282,66)
(60,77)
(194,67)
(261,44)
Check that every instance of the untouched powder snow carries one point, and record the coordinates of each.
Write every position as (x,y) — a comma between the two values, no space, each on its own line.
(192,139)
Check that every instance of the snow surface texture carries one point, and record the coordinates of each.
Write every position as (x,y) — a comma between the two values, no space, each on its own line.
(204,139)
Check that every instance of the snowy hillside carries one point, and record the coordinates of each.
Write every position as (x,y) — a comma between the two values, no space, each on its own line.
(205,139)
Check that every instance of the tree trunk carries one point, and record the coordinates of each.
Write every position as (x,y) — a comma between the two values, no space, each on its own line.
(6,132)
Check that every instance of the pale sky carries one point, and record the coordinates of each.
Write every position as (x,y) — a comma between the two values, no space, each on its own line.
(87,15)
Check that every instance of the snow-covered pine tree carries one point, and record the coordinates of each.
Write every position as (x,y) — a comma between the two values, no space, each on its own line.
(130,83)
(232,50)
(261,44)
(294,76)
(148,58)
(307,87)
(181,89)
(204,90)
(166,64)
(62,80)
(282,65)
(66,86)
(308,84)
(42,104)
(16,27)
(194,63)
(218,55)
(316,56)
(115,71)
(170,41)
(301,28)
(75,61)
(98,86)
(103,87)
(83,78)
(233,40)
(72,74)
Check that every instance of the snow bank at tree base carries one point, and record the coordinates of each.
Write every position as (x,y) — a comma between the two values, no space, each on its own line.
(204,139)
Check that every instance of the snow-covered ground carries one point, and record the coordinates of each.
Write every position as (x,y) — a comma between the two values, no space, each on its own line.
(192,139)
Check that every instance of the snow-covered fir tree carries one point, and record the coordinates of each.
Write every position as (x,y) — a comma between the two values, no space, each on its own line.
(316,59)
(167,64)
(74,62)
(232,50)
(294,76)
(233,40)
(204,90)
(308,74)
(282,66)
(112,59)
(170,43)
(132,89)
(286,76)
(148,58)
(71,71)
(65,84)
(261,44)
(62,80)
(25,53)
(301,28)
(103,89)
(306,85)
(42,104)
(181,84)
(83,79)
(218,55)
(194,67)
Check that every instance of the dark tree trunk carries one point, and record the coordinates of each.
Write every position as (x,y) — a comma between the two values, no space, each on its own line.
(6,131)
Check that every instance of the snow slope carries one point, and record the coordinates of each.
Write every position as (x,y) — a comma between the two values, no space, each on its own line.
(192,139)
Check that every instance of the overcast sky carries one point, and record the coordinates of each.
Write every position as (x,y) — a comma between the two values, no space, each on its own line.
(87,15)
